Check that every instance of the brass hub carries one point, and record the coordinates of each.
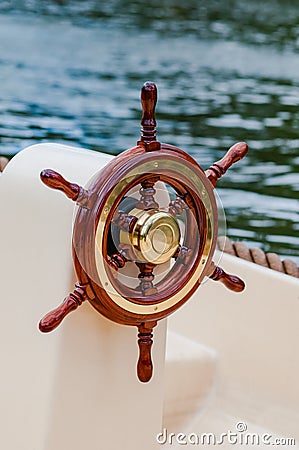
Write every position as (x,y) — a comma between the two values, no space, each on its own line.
(155,236)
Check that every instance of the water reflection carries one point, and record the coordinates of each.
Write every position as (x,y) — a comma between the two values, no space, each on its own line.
(71,72)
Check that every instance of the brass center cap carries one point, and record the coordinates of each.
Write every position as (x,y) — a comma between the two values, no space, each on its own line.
(155,235)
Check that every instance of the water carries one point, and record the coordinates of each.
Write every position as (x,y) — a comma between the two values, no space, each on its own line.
(71,72)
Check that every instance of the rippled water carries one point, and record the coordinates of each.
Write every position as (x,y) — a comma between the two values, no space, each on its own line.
(71,72)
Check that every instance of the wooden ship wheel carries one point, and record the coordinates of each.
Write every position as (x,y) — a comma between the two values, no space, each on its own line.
(144,234)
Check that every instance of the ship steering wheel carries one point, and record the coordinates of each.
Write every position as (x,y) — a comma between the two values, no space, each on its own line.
(144,234)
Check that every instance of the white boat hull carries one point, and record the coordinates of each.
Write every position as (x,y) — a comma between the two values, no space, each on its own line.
(231,358)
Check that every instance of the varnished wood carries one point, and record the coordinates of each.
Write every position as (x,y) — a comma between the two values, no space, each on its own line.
(86,223)
(234,154)
(147,193)
(149,98)
(123,221)
(146,278)
(56,181)
(148,122)
(183,254)
(94,211)
(117,261)
(177,206)
(145,342)
(51,320)
(232,282)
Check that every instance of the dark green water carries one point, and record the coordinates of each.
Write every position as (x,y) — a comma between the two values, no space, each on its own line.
(71,72)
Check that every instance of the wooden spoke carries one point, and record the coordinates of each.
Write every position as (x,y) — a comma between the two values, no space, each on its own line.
(234,154)
(182,255)
(73,191)
(70,303)
(177,206)
(147,193)
(123,221)
(232,282)
(117,261)
(148,121)
(145,342)
(146,278)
